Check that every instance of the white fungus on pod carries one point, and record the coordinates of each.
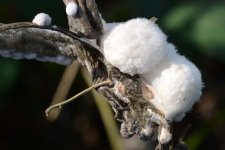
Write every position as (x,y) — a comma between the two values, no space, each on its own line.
(139,46)
(164,136)
(42,19)
(71,9)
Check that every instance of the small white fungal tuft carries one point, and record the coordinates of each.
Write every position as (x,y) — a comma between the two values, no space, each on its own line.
(42,19)
(165,136)
(71,9)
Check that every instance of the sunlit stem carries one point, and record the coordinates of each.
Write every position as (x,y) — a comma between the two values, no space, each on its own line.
(63,88)
(76,96)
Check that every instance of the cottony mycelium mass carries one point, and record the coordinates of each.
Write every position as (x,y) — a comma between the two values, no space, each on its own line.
(139,47)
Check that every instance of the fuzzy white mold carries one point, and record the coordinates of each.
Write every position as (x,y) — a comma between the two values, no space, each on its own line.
(139,46)
(135,47)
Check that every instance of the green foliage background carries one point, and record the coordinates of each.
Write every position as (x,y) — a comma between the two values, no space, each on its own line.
(197,28)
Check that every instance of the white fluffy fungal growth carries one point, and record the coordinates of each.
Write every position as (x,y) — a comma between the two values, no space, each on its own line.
(130,46)
(177,85)
(138,46)
(71,9)
(42,19)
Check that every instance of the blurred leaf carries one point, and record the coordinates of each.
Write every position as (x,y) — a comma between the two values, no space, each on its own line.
(199,24)
(209,31)
(181,16)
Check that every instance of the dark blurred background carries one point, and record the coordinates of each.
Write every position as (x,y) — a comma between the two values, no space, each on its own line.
(197,28)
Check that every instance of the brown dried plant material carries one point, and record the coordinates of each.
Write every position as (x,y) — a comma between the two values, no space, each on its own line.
(129,97)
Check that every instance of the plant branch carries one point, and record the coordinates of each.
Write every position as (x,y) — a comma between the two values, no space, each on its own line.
(129,97)
(63,88)
(76,96)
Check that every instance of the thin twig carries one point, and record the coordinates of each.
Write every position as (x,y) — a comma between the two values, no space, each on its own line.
(63,88)
(76,96)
